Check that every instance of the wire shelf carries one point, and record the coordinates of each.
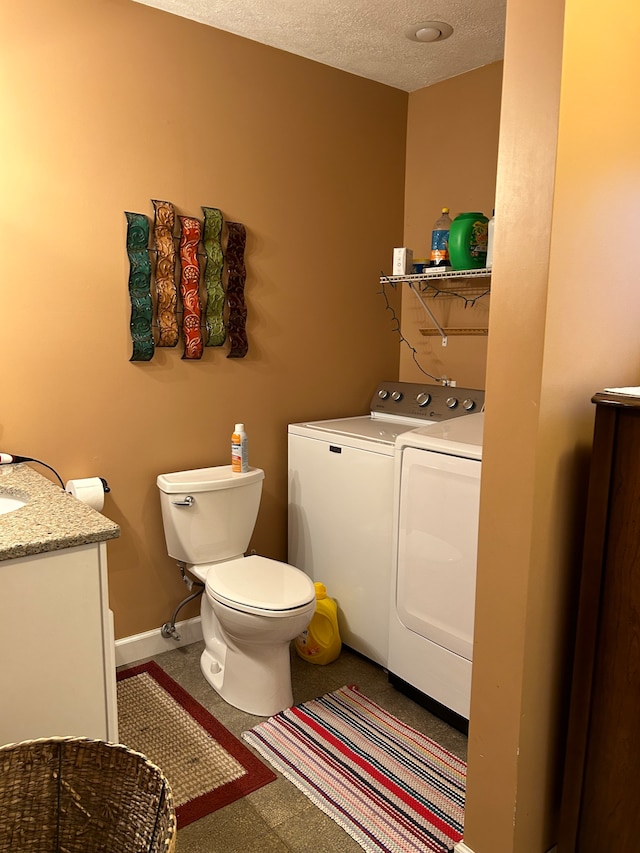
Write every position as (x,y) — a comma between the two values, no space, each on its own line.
(465,284)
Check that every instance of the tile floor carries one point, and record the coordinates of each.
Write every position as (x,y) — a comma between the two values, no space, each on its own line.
(278,818)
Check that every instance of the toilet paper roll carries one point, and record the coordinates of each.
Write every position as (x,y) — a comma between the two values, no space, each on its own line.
(90,491)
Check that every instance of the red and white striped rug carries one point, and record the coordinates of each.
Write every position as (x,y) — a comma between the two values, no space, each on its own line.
(393,789)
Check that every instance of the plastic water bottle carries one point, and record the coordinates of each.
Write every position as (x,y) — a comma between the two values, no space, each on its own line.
(239,450)
(321,643)
(440,240)
(490,227)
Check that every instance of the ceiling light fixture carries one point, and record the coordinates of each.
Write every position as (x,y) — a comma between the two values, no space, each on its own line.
(429,31)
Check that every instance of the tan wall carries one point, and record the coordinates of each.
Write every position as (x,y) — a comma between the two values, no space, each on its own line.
(312,161)
(108,104)
(567,330)
(452,152)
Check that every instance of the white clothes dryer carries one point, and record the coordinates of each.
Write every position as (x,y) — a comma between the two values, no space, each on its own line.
(433,575)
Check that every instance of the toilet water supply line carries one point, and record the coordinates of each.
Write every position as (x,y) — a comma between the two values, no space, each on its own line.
(169,628)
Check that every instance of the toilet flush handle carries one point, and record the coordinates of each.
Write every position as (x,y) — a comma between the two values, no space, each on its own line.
(187,501)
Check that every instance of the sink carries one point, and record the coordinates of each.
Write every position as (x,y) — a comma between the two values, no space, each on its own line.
(8,503)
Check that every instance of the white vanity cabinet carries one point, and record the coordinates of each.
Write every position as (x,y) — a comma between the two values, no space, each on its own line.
(57,658)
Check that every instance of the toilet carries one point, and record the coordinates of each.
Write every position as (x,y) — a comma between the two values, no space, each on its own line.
(252,607)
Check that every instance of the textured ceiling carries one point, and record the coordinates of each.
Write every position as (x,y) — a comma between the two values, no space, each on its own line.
(364,37)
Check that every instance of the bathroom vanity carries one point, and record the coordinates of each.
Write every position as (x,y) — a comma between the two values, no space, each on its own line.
(57,657)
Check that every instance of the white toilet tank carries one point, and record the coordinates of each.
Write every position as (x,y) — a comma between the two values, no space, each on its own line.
(209,513)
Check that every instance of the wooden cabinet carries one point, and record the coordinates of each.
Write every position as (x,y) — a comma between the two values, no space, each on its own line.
(57,658)
(601,794)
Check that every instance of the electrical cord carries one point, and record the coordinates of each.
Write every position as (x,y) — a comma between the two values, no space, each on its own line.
(10,459)
(403,340)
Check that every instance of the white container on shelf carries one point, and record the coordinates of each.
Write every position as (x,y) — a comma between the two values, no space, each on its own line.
(490,228)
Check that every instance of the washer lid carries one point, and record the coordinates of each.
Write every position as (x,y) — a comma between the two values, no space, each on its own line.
(378,429)
(260,584)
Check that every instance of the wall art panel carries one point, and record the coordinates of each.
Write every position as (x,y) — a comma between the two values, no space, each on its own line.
(190,233)
(165,273)
(237,319)
(140,286)
(214,264)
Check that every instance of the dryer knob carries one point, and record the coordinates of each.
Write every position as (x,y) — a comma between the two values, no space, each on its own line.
(423,398)
(451,402)
(396,396)
(383,394)
(468,405)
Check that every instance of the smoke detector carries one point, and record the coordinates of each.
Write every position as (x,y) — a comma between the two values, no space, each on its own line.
(429,31)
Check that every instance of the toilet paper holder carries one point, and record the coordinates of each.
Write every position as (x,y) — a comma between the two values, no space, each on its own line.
(89,490)
(105,486)
(12,459)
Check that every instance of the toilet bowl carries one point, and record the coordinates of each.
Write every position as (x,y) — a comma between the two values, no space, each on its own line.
(252,607)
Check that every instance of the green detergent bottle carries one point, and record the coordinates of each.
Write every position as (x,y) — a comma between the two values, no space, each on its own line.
(321,643)
(468,241)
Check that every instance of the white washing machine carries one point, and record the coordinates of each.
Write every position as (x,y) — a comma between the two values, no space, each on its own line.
(433,576)
(341,501)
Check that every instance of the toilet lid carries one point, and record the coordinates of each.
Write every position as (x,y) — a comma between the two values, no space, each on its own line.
(257,583)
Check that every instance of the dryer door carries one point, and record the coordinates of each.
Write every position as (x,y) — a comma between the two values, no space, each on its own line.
(437,547)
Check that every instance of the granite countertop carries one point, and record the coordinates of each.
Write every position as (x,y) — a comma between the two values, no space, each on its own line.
(51,518)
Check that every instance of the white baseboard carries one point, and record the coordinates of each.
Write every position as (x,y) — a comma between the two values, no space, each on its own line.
(139,646)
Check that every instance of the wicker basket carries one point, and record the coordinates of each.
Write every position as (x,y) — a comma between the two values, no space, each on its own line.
(75,795)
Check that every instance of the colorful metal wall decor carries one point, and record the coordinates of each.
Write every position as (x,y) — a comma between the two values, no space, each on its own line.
(165,275)
(190,231)
(236,243)
(196,308)
(216,333)
(140,286)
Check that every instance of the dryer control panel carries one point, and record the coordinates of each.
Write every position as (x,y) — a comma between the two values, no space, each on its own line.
(425,402)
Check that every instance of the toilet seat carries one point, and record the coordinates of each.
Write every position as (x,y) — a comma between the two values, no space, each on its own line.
(260,585)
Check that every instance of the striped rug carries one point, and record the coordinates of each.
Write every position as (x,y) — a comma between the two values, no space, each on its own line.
(393,789)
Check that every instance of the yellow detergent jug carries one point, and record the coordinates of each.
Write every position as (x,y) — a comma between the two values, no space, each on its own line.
(321,643)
